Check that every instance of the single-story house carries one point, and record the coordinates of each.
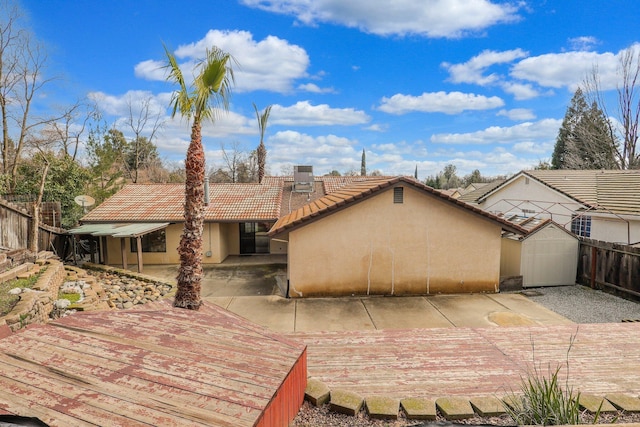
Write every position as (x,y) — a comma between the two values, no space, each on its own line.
(546,256)
(391,236)
(142,223)
(598,204)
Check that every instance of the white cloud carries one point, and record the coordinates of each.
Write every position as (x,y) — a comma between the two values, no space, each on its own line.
(583,43)
(271,64)
(314,88)
(325,152)
(545,130)
(517,114)
(377,127)
(439,102)
(150,70)
(119,105)
(558,70)
(520,91)
(531,147)
(472,70)
(432,18)
(303,113)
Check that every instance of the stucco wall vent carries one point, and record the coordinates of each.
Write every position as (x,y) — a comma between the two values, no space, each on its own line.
(398,195)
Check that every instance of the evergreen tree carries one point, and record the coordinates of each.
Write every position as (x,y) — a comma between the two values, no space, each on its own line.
(363,165)
(584,140)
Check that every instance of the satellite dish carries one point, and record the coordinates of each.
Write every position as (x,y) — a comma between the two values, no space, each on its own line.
(84,200)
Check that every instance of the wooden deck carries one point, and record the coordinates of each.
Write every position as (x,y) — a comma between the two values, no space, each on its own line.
(432,363)
(153,366)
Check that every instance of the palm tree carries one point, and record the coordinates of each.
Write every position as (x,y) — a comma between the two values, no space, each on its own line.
(211,88)
(262,151)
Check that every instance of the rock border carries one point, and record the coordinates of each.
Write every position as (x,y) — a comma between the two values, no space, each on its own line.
(450,408)
(39,304)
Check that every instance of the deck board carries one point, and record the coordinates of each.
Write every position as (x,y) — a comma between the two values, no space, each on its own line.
(432,363)
(154,366)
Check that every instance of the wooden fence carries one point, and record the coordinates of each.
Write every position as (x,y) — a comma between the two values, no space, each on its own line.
(609,266)
(15,223)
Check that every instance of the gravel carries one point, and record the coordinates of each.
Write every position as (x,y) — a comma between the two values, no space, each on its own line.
(581,304)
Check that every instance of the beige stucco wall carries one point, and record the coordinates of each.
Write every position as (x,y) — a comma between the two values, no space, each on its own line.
(422,246)
(510,257)
(220,239)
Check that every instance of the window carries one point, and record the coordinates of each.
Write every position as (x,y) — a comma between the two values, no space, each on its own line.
(155,241)
(581,225)
(398,195)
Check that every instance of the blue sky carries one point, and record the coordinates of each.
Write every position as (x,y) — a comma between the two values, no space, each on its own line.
(481,84)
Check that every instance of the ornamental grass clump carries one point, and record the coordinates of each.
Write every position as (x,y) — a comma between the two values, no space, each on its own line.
(541,399)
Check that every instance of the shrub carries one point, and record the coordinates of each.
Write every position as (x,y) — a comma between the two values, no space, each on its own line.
(542,401)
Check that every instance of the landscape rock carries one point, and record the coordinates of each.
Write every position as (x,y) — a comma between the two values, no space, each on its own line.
(61,304)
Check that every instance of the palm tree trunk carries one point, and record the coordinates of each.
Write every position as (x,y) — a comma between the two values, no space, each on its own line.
(190,250)
(262,160)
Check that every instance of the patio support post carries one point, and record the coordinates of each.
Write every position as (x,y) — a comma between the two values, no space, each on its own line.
(123,248)
(139,246)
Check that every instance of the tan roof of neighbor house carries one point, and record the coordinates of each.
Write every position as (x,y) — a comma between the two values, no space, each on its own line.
(359,190)
(480,190)
(614,191)
(165,202)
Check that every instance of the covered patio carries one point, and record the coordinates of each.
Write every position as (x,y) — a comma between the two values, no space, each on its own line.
(123,231)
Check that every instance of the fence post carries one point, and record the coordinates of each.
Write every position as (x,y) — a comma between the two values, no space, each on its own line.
(594,256)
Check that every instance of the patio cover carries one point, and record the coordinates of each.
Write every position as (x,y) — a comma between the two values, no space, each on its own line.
(122,231)
(119,229)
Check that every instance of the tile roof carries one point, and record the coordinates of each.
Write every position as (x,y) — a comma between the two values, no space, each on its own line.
(474,195)
(614,191)
(323,185)
(361,189)
(164,202)
(228,201)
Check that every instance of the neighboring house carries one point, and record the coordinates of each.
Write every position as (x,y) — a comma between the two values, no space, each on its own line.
(599,204)
(143,223)
(390,237)
(546,256)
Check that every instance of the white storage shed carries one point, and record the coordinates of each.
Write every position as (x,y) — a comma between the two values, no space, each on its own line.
(546,256)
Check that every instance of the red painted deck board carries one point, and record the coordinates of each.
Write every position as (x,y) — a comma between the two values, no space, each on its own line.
(432,363)
(154,366)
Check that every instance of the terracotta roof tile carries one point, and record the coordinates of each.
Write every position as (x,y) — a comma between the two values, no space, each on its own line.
(361,189)
(165,202)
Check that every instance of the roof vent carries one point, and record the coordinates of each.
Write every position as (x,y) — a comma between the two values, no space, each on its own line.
(303,179)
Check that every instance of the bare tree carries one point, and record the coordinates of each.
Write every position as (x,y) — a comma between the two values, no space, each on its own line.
(69,129)
(238,165)
(144,123)
(628,106)
(39,146)
(22,62)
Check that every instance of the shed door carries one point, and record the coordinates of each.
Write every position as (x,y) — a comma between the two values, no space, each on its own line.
(549,258)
